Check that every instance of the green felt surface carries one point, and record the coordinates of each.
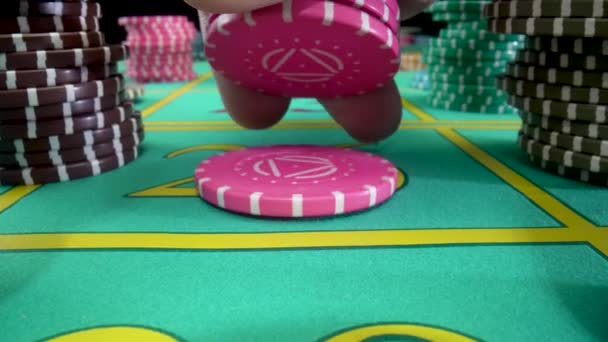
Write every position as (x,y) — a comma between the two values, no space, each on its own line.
(477,243)
(493,293)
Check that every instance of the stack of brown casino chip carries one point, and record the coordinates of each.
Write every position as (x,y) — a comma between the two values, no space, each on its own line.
(559,83)
(64,112)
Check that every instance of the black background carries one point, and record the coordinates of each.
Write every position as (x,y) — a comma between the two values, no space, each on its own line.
(113,9)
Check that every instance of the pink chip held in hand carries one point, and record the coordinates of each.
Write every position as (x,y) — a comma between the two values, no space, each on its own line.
(296,181)
(308,48)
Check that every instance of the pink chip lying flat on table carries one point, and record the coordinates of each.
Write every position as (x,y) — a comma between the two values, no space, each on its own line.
(296,181)
(306,48)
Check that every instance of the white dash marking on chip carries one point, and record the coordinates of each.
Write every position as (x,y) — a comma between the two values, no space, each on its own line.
(365,26)
(41,59)
(23,24)
(297,204)
(55,157)
(11,79)
(254,203)
(26,174)
(62,172)
(373,194)
(249,19)
(391,181)
(18,42)
(51,77)
(328,16)
(70,93)
(221,191)
(32,97)
(339,202)
(57,20)
(287,12)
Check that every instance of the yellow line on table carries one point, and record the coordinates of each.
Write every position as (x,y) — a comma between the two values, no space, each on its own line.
(244,241)
(537,195)
(13,195)
(419,113)
(174,95)
(220,128)
(296,121)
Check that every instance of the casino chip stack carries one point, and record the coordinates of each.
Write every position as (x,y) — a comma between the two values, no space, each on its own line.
(559,83)
(465,59)
(63,111)
(160,48)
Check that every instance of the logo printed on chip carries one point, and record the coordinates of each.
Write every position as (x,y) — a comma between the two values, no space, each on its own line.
(303,65)
(294,167)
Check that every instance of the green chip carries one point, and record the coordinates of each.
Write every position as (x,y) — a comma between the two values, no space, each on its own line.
(463,16)
(473,108)
(458,6)
(480,25)
(468,99)
(480,35)
(468,89)
(431,60)
(468,54)
(462,79)
(473,44)
(467,71)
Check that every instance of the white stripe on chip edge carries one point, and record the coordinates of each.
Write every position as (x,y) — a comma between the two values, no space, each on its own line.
(59,24)
(373,194)
(287,11)
(200,185)
(297,205)
(11,79)
(254,203)
(391,181)
(339,202)
(26,175)
(18,42)
(365,26)
(221,191)
(328,16)
(24,26)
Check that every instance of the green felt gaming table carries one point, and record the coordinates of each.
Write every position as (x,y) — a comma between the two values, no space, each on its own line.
(477,244)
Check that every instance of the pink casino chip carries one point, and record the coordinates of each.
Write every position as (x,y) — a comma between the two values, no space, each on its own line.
(307,48)
(296,181)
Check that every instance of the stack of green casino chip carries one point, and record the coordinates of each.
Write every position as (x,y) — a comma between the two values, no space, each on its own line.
(559,82)
(465,59)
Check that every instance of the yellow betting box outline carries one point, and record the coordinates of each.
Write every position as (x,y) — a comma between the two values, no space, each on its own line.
(576,229)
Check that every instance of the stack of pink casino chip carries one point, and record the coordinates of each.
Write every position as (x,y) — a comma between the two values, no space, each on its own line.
(308,48)
(160,48)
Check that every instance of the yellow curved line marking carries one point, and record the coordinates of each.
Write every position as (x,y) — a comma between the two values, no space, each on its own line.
(14,195)
(410,330)
(169,190)
(216,147)
(419,113)
(114,334)
(174,95)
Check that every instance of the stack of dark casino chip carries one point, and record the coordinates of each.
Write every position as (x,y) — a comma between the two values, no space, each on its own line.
(64,111)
